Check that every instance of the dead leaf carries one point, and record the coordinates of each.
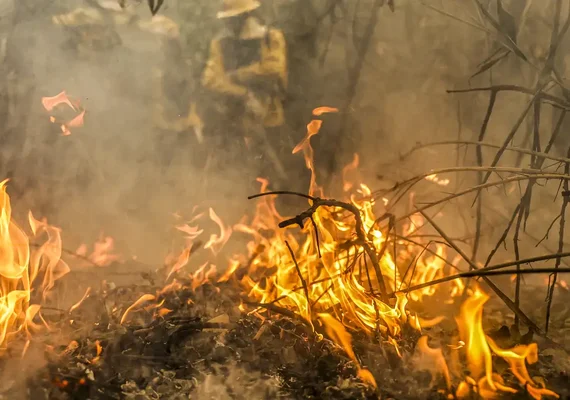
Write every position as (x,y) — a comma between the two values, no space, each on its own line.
(489,63)
(507,22)
(220,319)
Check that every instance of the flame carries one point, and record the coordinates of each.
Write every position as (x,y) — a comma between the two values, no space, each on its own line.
(347,185)
(336,331)
(78,304)
(432,360)
(471,332)
(103,252)
(217,242)
(23,271)
(50,103)
(98,351)
(202,275)
(305,145)
(192,232)
(234,265)
(324,110)
(435,179)
(181,262)
(517,357)
(479,349)
(324,275)
(143,299)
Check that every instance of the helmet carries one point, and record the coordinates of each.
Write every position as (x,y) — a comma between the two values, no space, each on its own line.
(161,25)
(80,17)
(232,8)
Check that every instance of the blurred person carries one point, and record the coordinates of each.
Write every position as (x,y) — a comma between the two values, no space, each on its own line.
(92,30)
(178,128)
(246,73)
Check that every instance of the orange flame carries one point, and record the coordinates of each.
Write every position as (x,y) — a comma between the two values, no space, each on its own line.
(217,242)
(347,185)
(336,331)
(19,268)
(324,110)
(517,357)
(50,103)
(337,275)
(78,304)
(103,252)
(143,299)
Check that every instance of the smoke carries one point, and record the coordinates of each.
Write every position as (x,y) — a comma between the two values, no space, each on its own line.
(235,382)
(121,175)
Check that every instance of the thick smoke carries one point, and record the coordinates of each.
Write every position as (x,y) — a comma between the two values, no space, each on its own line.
(108,175)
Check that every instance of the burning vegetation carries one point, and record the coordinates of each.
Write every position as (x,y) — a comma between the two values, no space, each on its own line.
(337,286)
(367,295)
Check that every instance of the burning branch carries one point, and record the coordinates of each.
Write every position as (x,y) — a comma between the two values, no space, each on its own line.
(359,228)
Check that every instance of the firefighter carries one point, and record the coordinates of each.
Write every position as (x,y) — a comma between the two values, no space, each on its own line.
(247,74)
(92,30)
(178,128)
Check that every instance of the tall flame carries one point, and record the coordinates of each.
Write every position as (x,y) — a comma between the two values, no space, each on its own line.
(20,267)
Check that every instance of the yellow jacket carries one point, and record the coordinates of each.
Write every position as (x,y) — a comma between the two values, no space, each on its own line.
(271,66)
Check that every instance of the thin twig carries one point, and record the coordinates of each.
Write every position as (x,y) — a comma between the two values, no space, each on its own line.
(303,282)
(484,186)
(487,144)
(553,278)
(316,236)
(557,101)
(479,153)
(281,192)
(517,254)
(482,273)
(503,236)
(513,131)
(499,293)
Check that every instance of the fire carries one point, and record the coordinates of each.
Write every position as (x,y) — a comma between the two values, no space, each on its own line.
(479,350)
(336,275)
(471,332)
(330,270)
(23,271)
(145,298)
(435,179)
(102,254)
(51,103)
(216,242)
(346,281)
(336,331)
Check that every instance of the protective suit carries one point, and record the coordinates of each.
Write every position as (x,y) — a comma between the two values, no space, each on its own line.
(251,68)
(246,76)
